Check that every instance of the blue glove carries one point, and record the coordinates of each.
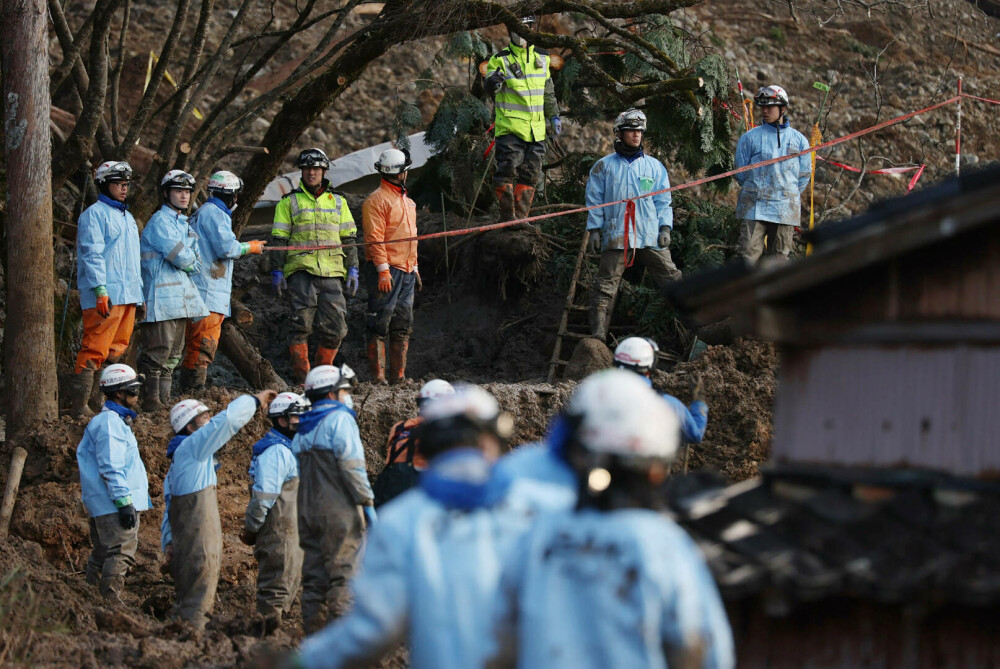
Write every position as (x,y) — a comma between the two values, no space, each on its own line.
(352,281)
(370,516)
(557,125)
(278,283)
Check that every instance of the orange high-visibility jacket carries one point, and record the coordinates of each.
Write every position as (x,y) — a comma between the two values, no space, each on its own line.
(389,214)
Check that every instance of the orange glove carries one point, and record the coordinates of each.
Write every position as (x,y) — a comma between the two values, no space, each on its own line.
(103,301)
(384,281)
(255,247)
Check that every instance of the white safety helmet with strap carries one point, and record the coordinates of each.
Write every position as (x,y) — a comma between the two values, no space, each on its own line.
(637,354)
(327,379)
(771,96)
(184,412)
(615,413)
(630,119)
(225,183)
(113,170)
(393,161)
(178,179)
(288,404)
(120,377)
(466,406)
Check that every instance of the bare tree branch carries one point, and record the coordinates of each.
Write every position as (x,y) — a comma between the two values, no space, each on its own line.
(71,46)
(117,74)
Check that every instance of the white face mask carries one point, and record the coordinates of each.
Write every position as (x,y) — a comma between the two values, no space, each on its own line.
(517,40)
(348,401)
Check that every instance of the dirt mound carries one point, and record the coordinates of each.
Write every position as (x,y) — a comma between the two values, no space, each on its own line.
(589,356)
(739,388)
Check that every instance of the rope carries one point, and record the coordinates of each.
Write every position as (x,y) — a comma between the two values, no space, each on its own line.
(683,186)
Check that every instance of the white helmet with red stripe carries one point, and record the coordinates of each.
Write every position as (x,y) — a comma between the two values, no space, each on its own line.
(637,354)
(184,412)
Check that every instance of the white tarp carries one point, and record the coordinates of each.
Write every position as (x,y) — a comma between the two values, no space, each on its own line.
(347,168)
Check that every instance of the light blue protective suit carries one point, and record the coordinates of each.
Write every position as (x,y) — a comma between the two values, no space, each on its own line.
(217,246)
(617,589)
(771,193)
(110,465)
(614,178)
(169,246)
(431,570)
(107,253)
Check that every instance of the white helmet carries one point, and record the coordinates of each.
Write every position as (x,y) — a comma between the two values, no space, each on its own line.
(637,354)
(470,404)
(618,414)
(393,161)
(288,404)
(113,170)
(119,377)
(327,378)
(178,179)
(771,96)
(184,412)
(433,390)
(225,183)
(313,158)
(630,119)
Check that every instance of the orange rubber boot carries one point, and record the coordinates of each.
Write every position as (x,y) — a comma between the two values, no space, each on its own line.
(399,344)
(523,197)
(505,196)
(325,356)
(299,354)
(376,359)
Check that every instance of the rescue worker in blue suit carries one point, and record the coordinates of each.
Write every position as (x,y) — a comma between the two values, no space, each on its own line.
(432,563)
(169,261)
(191,531)
(613,582)
(336,503)
(217,247)
(638,354)
(107,274)
(113,482)
(636,230)
(769,203)
(271,524)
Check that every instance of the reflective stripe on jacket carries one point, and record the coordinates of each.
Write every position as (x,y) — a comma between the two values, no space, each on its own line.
(303,219)
(107,253)
(771,193)
(110,466)
(218,247)
(169,246)
(389,214)
(523,102)
(614,178)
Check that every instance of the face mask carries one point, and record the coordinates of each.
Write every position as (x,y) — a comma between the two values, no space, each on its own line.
(517,40)
(348,402)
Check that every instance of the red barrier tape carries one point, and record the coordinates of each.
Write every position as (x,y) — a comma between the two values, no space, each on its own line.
(884,170)
(973,97)
(689,184)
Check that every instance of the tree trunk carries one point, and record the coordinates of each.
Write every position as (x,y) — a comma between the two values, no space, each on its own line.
(29,353)
(248,361)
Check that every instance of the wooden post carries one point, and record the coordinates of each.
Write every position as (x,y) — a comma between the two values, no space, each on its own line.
(10,493)
(29,354)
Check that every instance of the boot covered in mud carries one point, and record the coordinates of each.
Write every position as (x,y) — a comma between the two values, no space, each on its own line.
(376,358)
(299,354)
(325,356)
(399,345)
(505,196)
(80,389)
(523,197)
(193,379)
(166,389)
(150,393)
(598,318)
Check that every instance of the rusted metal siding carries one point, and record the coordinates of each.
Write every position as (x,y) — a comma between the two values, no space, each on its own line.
(935,407)
(851,634)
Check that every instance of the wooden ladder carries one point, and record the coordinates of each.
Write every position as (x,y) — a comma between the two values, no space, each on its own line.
(567,329)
